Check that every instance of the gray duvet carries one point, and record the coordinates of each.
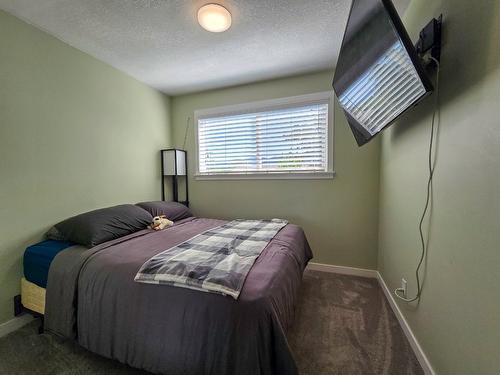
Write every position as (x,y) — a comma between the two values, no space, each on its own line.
(92,298)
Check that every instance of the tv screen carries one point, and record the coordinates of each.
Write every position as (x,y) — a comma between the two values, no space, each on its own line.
(378,74)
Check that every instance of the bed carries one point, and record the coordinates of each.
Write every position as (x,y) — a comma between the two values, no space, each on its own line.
(91,297)
(36,263)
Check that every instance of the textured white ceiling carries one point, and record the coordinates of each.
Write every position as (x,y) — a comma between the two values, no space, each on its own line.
(160,43)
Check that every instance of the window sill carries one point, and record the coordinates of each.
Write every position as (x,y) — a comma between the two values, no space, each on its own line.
(268,176)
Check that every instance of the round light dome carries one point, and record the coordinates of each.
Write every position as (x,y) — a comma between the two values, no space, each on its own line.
(214,18)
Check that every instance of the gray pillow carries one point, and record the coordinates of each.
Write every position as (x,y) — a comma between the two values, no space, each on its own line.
(95,227)
(172,210)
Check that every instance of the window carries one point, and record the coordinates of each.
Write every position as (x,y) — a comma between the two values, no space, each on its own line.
(284,138)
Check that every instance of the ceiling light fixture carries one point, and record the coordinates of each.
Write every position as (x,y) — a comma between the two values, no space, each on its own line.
(214,18)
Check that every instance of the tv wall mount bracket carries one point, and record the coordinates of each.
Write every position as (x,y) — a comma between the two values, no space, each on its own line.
(429,41)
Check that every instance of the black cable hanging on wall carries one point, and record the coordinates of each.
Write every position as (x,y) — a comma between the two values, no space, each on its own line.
(429,42)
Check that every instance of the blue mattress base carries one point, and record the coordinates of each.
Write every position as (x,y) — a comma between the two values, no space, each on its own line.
(38,257)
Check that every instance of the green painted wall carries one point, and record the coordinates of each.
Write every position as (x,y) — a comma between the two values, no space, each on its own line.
(75,134)
(339,216)
(457,321)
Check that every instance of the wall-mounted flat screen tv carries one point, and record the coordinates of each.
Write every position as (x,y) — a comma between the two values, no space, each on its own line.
(378,74)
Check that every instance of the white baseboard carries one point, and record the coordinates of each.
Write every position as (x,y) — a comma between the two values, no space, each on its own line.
(417,349)
(14,324)
(363,272)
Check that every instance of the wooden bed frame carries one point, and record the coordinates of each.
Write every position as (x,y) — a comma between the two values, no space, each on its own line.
(31,301)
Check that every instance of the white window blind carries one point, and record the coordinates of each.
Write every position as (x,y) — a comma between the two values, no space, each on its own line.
(286,140)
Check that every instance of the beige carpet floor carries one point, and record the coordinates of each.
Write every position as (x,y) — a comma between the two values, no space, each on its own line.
(343,325)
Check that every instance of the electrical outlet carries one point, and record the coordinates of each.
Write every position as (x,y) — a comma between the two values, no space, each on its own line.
(404,285)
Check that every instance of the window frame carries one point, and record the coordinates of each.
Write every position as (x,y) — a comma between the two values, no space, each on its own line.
(266,105)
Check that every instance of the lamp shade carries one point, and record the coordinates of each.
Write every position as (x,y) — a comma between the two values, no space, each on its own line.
(173,162)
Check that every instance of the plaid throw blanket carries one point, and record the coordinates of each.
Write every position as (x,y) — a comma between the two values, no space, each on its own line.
(217,260)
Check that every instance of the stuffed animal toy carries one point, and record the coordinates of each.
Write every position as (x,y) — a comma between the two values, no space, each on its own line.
(160,222)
